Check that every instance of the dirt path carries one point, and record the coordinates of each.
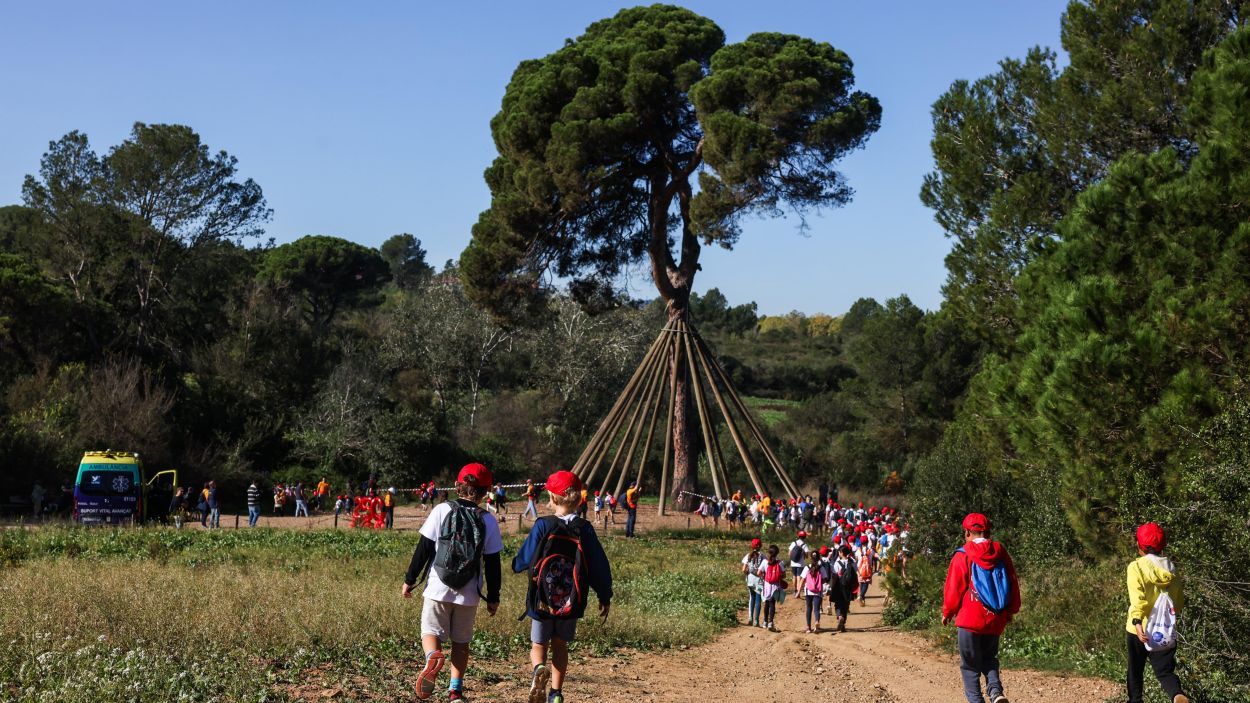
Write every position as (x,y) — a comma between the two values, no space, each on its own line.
(869,662)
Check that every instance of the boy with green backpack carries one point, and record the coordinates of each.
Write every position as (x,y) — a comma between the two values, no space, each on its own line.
(563,557)
(460,543)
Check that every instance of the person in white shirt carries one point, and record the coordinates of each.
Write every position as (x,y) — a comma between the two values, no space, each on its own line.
(454,586)
(753,568)
(798,548)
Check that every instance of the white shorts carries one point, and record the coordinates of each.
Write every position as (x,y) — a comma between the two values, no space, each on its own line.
(448,621)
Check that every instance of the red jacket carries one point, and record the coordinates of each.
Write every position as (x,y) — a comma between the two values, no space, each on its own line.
(957,596)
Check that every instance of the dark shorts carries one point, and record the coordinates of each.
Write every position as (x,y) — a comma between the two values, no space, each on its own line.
(541,631)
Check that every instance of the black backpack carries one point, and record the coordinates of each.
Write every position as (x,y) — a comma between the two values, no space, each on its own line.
(458,554)
(848,579)
(558,580)
(808,512)
(826,571)
(797,554)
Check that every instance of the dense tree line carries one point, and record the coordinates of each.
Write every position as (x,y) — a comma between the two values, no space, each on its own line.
(141,310)
(1100,245)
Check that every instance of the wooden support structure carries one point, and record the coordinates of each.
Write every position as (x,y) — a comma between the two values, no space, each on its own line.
(679,350)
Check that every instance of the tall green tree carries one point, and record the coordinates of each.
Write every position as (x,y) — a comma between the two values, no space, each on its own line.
(1015,148)
(1137,320)
(327,273)
(406,257)
(600,145)
(135,224)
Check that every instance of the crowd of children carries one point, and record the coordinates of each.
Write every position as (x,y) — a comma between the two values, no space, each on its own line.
(861,543)
(459,558)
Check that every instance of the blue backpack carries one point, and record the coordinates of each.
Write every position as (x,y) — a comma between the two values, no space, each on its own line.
(990,587)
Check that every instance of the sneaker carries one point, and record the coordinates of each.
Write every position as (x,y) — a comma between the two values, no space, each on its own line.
(1000,698)
(555,697)
(428,675)
(455,695)
(538,686)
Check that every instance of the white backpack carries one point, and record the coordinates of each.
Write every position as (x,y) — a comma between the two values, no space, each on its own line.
(1161,625)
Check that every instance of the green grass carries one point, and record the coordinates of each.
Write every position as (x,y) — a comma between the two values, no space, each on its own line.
(771,410)
(160,614)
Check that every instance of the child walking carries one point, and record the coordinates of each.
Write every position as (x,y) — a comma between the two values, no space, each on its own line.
(753,568)
(813,579)
(563,556)
(980,610)
(845,583)
(774,587)
(459,543)
(1150,576)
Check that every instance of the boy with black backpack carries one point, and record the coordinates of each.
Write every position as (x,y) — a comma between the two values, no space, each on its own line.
(563,558)
(845,583)
(460,542)
(798,559)
(981,595)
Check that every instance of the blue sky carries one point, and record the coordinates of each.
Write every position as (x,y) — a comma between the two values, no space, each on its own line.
(362,120)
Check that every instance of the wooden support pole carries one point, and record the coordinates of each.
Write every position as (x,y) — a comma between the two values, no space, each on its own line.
(704,421)
(782,475)
(665,466)
(644,408)
(655,415)
(612,425)
(729,421)
(626,429)
(580,465)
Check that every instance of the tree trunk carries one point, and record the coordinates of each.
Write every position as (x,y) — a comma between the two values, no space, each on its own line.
(685,451)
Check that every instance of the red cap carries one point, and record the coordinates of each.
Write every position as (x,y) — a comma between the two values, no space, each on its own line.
(479,474)
(802,533)
(824,551)
(837,539)
(1150,536)
(976,522)
(861,504)
(756,543)
(562,482)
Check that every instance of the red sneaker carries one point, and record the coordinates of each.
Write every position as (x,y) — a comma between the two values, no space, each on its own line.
(425,680)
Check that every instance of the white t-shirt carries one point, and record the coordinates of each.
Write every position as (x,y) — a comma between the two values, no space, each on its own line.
(759,566)
(798,543)
(435,589)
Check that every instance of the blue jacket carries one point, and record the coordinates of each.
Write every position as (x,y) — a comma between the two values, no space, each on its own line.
(598,570)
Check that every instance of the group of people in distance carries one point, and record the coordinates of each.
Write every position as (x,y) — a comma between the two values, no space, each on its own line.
(862,542)
(459,550)
(980,597)
(814,515)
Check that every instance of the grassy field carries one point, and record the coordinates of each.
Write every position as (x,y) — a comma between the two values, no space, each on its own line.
(770,410)
(259,615)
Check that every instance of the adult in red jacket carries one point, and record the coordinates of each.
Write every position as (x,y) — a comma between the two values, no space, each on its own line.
(979,627)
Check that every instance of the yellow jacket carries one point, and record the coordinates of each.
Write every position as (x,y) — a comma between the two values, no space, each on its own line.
(1149,576)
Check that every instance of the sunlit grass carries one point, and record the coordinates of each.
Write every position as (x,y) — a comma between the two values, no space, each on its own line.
(251,611)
